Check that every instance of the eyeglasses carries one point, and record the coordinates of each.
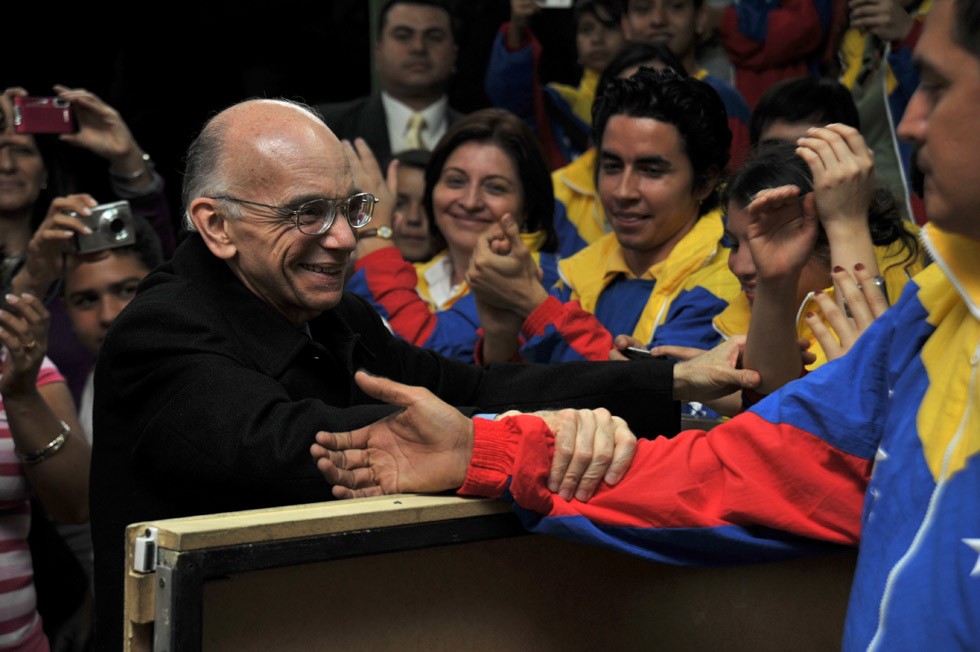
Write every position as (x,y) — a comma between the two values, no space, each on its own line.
(315,217)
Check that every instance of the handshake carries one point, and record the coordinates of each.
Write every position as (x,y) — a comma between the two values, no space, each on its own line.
(428,445)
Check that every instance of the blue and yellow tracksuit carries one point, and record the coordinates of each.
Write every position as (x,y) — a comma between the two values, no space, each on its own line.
(400,292)
(880,448)
(598,297)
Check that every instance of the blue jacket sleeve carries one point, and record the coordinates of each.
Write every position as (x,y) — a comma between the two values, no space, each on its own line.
(510,79)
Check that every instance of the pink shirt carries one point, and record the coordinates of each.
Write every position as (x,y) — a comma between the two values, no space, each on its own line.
(20,624)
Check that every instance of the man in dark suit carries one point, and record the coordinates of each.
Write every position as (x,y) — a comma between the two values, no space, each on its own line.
(415,57)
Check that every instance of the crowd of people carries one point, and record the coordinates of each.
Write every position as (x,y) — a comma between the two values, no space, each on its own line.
(760,213)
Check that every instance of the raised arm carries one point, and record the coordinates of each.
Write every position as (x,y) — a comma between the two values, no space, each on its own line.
(48,244)
(506,285)
(383,277)
(510,80)
(102,130)
(55,459)
(843,184)
(781,233)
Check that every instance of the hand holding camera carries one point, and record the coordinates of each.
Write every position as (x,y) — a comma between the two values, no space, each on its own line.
(101,130)
(84,120)
(76,221)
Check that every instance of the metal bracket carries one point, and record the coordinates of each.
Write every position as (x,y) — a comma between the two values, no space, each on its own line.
(145,551)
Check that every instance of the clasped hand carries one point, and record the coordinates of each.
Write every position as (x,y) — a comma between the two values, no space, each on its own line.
(502,272)
(427,447)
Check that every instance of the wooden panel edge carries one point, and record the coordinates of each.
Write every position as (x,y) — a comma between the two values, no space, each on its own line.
(294,521)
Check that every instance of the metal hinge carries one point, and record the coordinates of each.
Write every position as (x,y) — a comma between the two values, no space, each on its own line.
(145,552)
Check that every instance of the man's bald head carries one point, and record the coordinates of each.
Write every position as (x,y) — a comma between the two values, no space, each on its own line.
(252,169)
(241,130)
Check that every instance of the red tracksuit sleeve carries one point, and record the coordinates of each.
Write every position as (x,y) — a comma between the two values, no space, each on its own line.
(741,475)
(563,332)
(391,283)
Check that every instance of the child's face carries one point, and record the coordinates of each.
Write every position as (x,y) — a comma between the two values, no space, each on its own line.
(97,288)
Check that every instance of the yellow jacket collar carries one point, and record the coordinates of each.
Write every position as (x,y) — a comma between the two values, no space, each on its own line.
(579,175)
(959,258)
(694,251)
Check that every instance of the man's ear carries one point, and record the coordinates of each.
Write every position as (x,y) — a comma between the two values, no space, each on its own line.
(212,224)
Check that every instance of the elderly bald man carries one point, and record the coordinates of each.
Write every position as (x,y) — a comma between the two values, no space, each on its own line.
(212,384)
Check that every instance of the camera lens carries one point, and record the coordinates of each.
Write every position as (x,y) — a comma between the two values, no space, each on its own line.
(113,225)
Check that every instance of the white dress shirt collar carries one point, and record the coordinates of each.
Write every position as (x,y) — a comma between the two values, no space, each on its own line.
(399,114)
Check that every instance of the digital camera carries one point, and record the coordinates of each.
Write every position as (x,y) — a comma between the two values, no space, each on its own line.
(112,226)
(43,115)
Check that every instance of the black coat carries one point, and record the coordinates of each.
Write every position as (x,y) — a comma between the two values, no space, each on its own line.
(207,400)
(365,118)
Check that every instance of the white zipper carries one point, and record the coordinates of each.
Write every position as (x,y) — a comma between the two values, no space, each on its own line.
(927,522)
(885,68)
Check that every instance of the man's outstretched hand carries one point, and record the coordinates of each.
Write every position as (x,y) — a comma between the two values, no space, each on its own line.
(712,374)
(425,447)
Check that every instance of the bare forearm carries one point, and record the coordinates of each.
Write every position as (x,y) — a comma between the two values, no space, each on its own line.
(131,168)
(771,347)
(367,246)
(500,347)
(501,333)
(61,480)
(528,302)
(851,244)
(25,281)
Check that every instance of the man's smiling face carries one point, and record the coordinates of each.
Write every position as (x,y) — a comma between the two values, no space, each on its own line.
(281,156)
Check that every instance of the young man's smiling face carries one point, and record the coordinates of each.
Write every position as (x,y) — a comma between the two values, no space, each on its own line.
(646,185)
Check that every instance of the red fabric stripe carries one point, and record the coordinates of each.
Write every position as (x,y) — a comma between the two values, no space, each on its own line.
(14,624)
(15,583)
(744,472)
(12,545)
(580,328)
(392,282)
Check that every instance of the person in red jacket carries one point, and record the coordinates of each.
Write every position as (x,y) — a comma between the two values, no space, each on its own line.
(771,41)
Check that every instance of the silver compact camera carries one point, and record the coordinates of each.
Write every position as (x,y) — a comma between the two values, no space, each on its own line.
(112,226)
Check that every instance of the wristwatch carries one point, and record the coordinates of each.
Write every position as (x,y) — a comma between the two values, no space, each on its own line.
(384,232)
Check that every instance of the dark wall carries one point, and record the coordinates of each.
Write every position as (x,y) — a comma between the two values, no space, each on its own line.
(168,66)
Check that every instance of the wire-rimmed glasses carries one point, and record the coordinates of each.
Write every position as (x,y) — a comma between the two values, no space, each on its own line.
(316,216)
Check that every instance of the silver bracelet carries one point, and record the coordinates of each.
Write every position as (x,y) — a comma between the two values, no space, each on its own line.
(128,178)
(53,447)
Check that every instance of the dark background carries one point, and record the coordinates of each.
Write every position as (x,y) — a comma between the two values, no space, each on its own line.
(168,66)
